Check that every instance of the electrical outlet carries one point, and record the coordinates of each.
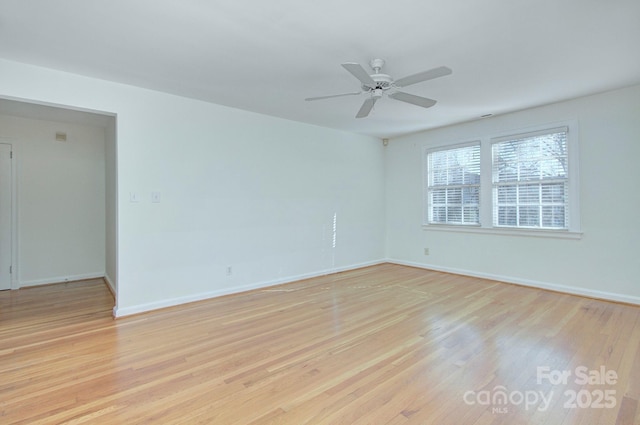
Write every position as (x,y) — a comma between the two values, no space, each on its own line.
(229,270)
(426,251)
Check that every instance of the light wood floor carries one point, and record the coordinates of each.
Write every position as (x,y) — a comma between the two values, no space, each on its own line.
(381,345)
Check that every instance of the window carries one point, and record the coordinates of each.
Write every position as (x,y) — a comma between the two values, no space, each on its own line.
(530,180)
(523,183)
(453,185)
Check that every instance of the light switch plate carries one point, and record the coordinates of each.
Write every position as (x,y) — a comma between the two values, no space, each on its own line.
(155,197)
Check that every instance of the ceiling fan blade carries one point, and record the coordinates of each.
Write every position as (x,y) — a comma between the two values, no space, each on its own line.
(413,99)
(423,76)
(333,95)
(366,107)
(358,71)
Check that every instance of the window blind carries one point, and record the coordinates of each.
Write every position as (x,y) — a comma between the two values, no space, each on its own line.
(530,180)
(453,185)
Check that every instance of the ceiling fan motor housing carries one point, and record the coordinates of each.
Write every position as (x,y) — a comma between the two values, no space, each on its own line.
(383,81)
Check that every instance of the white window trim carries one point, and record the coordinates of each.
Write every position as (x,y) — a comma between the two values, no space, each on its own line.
(486,187)
(504,231)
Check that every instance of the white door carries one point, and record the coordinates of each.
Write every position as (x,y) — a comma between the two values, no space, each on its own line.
(6,186)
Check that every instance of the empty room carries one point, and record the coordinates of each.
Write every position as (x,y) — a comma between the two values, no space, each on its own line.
(295,212)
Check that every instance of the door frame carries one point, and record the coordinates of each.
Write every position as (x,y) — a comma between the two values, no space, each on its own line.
(15,269)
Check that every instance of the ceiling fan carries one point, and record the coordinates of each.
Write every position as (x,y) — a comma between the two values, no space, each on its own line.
(377,84)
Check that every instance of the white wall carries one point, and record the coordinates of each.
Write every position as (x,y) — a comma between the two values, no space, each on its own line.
(61,200)
(237,189)
(603,263)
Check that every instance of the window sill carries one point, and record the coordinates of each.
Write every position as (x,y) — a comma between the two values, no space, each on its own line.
(555,234)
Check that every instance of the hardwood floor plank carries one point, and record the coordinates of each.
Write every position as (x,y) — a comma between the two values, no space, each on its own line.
(385,344)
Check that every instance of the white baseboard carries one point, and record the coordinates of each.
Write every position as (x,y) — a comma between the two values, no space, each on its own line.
(61,279)
(141,308)
(572,290)
(112,286)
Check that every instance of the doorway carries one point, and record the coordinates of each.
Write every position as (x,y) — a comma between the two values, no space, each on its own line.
(62,176)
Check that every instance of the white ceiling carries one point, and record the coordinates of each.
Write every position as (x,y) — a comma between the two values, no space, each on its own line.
(267,56)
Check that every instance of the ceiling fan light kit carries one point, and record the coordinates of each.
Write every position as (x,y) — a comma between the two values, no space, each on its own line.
(377,84)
